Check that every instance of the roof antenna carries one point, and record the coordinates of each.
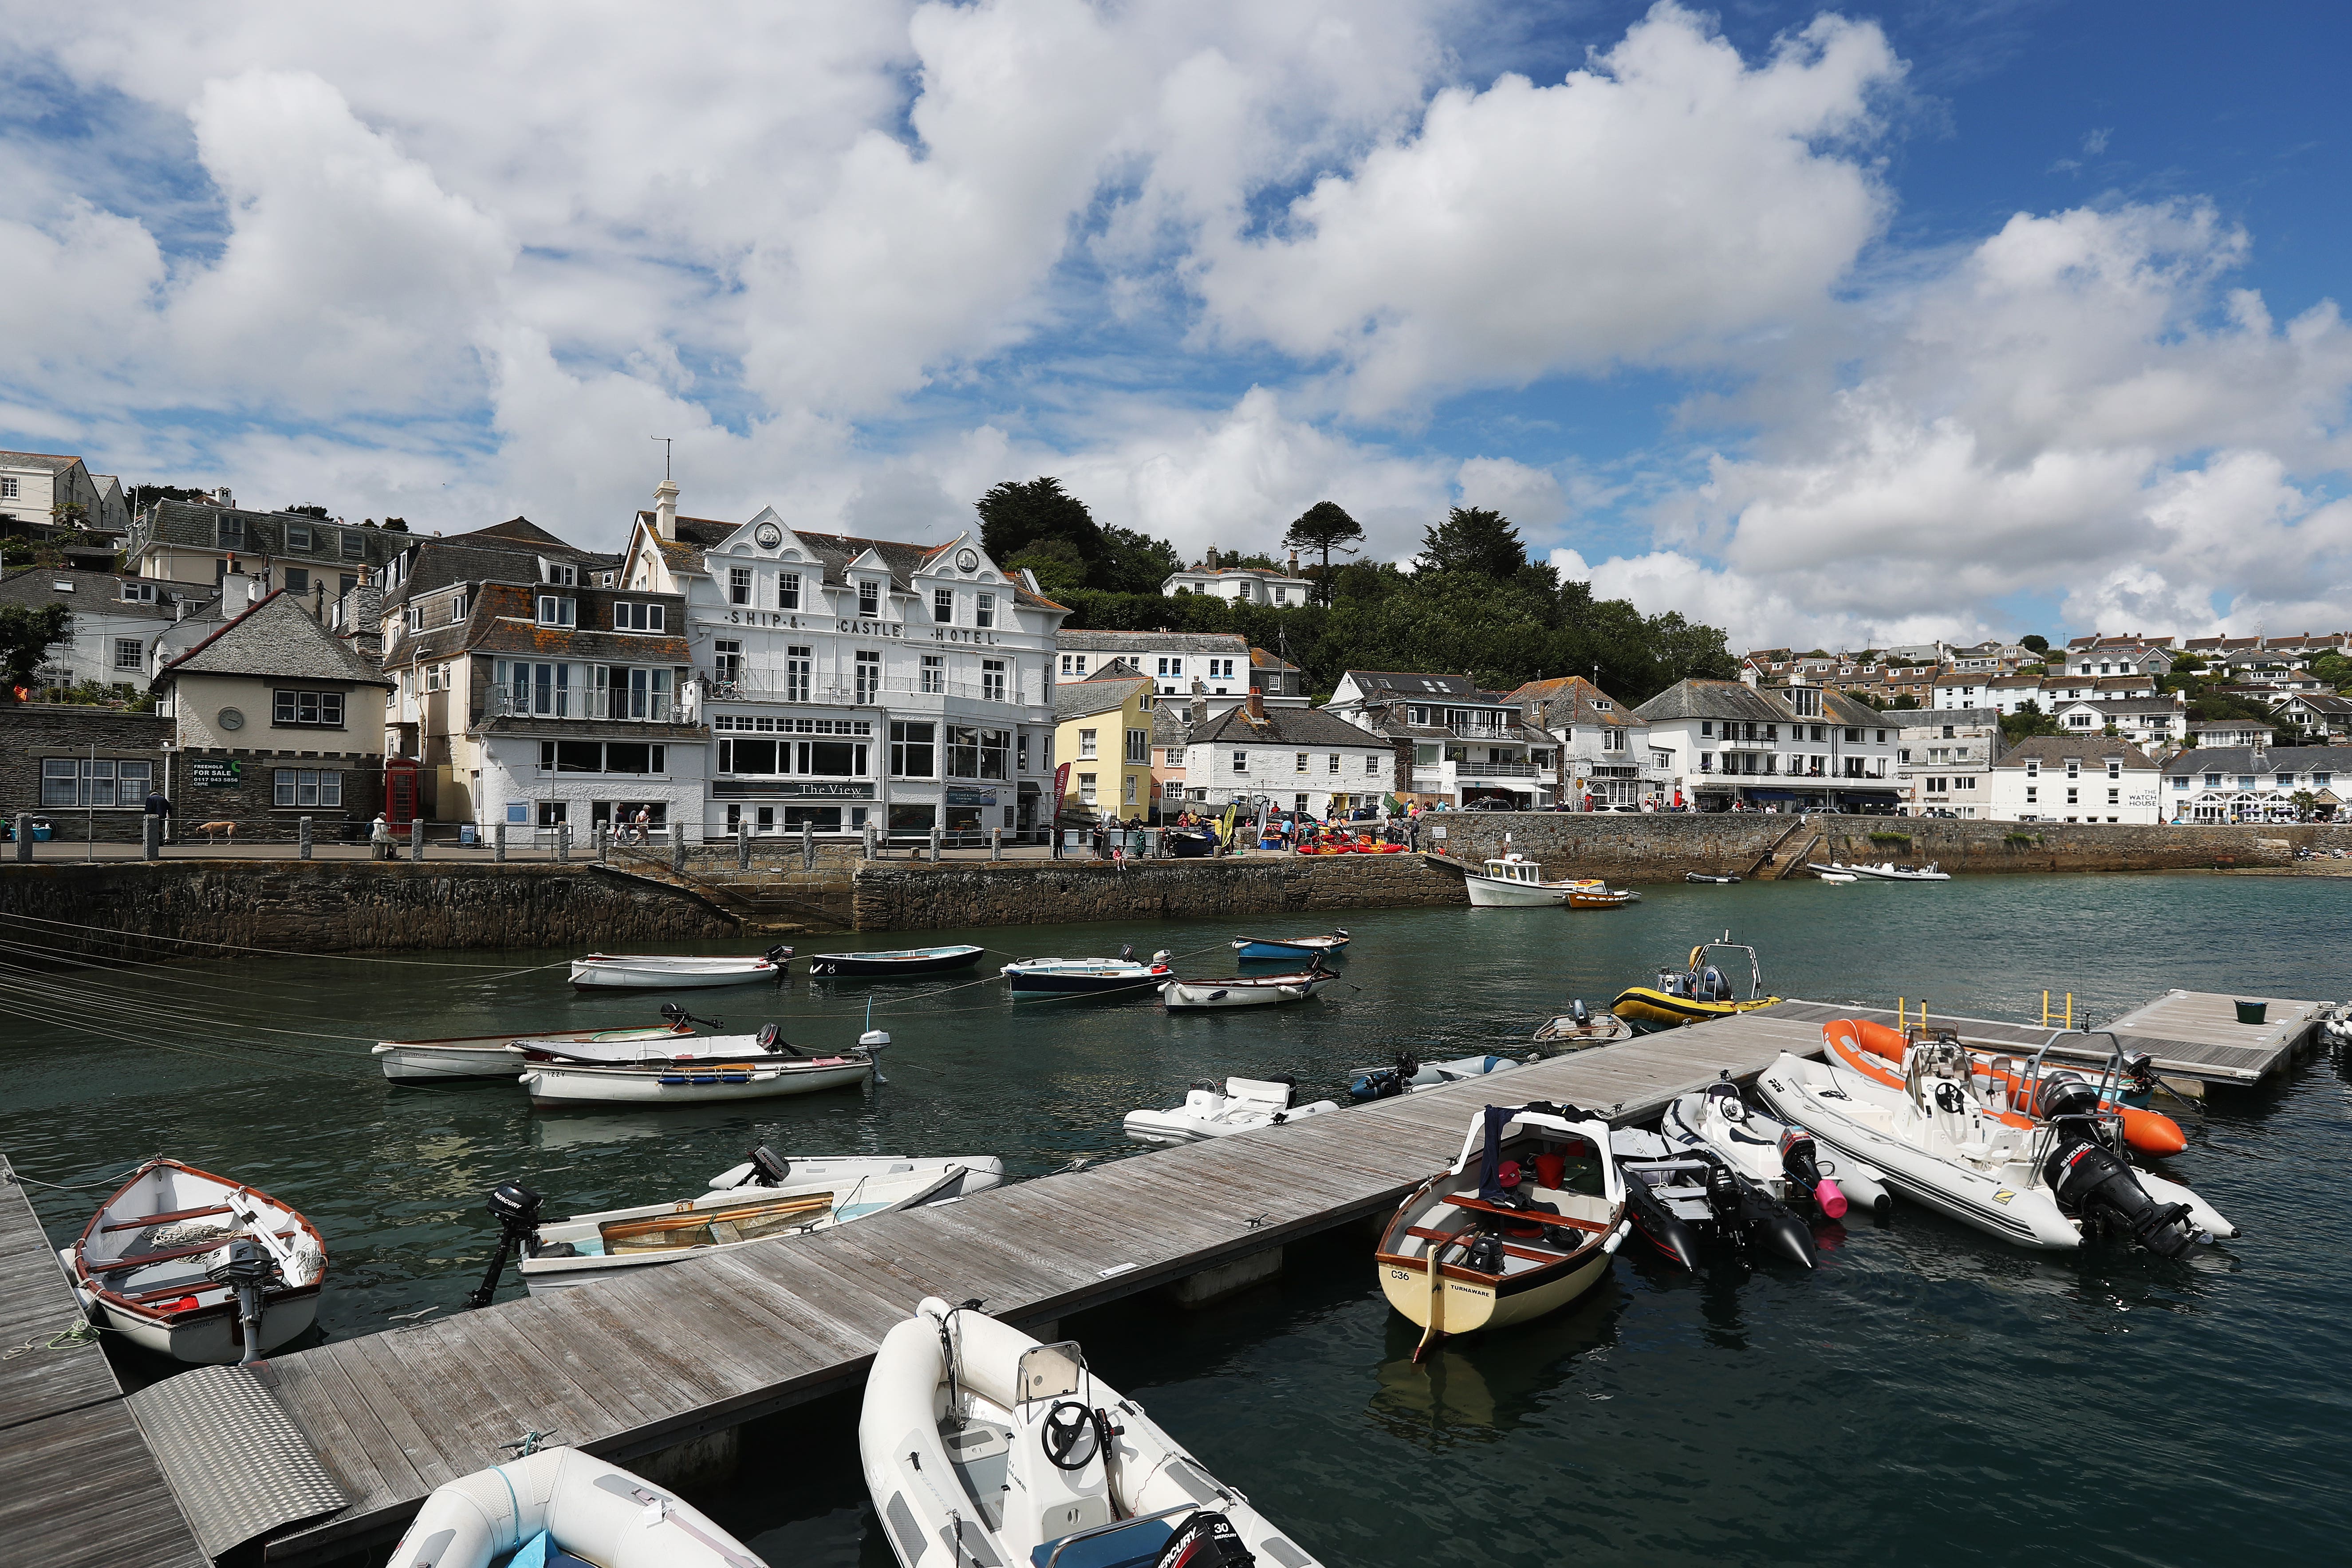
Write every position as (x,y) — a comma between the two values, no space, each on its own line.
(665,440)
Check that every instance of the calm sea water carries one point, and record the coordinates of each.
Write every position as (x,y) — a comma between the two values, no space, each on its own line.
(1929,1396)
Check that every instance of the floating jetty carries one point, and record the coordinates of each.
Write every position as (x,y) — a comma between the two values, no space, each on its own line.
(327,1452)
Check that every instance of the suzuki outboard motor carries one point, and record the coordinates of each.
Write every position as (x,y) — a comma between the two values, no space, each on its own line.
(2095,1186)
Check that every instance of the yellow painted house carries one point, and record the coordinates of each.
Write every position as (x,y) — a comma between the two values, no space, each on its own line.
(1102,729)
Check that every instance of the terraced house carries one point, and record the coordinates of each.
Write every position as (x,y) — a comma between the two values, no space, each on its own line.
(319,560)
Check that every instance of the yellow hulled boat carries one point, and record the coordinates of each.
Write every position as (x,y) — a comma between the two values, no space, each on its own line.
(1700,989)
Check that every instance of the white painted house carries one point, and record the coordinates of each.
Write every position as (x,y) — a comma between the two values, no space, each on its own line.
(1943,761)
(1242,585)
(2074,778)
(1801,748)
(1298,759)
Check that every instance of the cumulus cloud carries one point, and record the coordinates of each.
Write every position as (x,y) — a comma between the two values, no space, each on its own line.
(1665,199)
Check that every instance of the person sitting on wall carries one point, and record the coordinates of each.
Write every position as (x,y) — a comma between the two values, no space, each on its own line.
(380,839)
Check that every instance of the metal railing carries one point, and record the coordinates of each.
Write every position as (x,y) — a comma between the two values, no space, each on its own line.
(1498,770)
(761,687)
(565,702)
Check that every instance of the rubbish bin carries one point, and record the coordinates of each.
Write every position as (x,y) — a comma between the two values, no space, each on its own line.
(466,835)
(2251,1011)
(42,831)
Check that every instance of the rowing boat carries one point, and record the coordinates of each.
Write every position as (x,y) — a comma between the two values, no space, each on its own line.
(675,971)
(494,1055)
(890,965)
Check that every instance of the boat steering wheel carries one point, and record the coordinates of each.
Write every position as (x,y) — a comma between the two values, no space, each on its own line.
(1067,1425)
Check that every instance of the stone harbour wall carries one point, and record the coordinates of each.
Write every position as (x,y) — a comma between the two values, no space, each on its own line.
(1626,846)
(174,909)
(907,896)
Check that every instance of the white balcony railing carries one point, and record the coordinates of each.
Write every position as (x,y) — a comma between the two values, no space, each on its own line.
(644,708)
(768,687)
(1498,770)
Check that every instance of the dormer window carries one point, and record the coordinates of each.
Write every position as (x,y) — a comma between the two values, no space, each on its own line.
(556,574)
(555,610)
(1602,705)
(139,593)
(2073,767)
(457,606)
(355,546)
(869,597)
(629,617)
(231,535)
(2115,767)
(298,536)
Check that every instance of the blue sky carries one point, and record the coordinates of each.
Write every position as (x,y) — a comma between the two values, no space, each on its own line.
(1830,326)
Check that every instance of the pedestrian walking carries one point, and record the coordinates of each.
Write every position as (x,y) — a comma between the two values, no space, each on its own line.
(159,806)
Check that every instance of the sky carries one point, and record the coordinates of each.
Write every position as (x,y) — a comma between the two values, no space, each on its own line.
(1830,327)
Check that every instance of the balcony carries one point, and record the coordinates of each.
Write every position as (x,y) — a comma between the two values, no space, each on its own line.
(1498,770)
(652,708)
(896,691)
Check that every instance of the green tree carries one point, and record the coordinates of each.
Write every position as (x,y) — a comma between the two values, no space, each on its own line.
(2334,669)
(1325,527)
(1473,539)
(2028,722)
(2035,641)
(1135,563)
(1014,516)
(26,635)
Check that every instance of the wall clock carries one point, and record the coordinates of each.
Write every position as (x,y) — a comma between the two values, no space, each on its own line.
(230,719)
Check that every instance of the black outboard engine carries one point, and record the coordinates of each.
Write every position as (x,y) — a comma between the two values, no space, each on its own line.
(2096,1187)
(769,1168)
(1485,1254)
(1579,1011)
(1204,1540)
(246,1268)
(1384,1083)
(515,1209)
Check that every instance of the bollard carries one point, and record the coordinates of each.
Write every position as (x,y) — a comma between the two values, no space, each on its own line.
(742,845)
(498,842)
(937,838)
(563,843)
(678,847)
(301,836)
(808,846)
(417,839)
(603,835)
(151,838)
(24,835)
(996,844)
(869,841)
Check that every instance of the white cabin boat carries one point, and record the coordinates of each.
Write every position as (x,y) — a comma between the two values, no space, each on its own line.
(1515,882)
(981,1446)
(1884,871)
(158,1265)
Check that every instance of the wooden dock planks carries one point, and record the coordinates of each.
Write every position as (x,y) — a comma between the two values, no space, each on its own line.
(77,1483)
(635,1366)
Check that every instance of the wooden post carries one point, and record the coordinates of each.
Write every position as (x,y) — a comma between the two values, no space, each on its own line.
(301,834)
(498,842)
(808,846)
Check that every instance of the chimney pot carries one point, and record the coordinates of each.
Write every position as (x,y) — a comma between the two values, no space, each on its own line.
(1257,704)
(666,508)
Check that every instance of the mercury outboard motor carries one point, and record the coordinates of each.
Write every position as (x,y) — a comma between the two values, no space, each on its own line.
(2096,1186)
(515,1209)
(246,1268)
(1204,1540)
(1485,1254)
(769,1168)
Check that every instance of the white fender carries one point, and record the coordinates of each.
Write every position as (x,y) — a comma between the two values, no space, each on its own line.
(594,1509)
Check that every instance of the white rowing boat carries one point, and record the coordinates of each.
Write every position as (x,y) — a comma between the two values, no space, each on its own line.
(497,1056)
(196,1266)
(770,1197)
(1246,991)
(673,972)
(553,1083)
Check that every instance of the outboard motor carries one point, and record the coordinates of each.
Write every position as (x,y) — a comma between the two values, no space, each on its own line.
(1800,1162)
(1204,1540)
(1385,1083)
(1713,986)
(769,1168)
(1659,1224)
(2096,1186)
(247,1268)
(1485,1254)
(1579,1011)
(515,1209)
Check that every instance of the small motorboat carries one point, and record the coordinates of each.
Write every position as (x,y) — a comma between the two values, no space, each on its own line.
(1033,978)
(196,1266)
(1703,877)
(772,1197)
(1410,1075)
(494,1055)
(906,961)
(1835,878)
(1514,882)
(740,1067)
(2000,1079)
(1246,990)
(1579,1026)
(1600,896)
(1524,1221)
(981,1446)
(2058,1183)
(669,972)
(559,1505)
(1211,1110)
(1676,1195)
(1700,989)
(1781,1159)
(1290,950)
(1884,871)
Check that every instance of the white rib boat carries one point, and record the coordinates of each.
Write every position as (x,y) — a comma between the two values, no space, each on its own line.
(764,1197)
(982,1446)
(498,1056)
(672,972)
(1884,871)
(587,1512)
(1241,1105)
(162,1261)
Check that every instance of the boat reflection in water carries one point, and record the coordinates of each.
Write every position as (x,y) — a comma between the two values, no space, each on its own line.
(1479,1389)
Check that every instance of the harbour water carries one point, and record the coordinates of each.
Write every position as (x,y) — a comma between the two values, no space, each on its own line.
(1929,1396)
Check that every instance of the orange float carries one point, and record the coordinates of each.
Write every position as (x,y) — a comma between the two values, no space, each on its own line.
(1869,1047)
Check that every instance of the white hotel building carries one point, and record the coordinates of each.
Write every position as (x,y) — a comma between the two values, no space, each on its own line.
(855,683)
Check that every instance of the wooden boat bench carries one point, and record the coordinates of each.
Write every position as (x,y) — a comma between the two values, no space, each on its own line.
(1524,1216)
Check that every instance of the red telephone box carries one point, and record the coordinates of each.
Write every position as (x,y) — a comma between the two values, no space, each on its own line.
(400,791)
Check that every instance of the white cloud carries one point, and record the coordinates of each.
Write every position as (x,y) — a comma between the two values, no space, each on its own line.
(1665,199)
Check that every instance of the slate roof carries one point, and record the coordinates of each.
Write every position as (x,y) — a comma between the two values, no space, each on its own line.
(505,551)
(52,462)
(196,526)
(503,617)
(1264,658)
(2093,750)
(1384,684)
(1171,723)
(1224,644)
(94,593)
(2234,760)
(1077,699)
(1723,699)
(2322,703)
(1296,727)
(1120,669)
(276,637)
(1569,700)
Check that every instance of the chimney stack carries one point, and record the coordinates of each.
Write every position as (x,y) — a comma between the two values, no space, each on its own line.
(666,508)
(1294,563)
(1209,560)
(1200,711)
(1256,706)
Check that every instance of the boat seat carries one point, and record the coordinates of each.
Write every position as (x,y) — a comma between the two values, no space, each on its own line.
(1136,1545)
(1523,1216)
(171,1218)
